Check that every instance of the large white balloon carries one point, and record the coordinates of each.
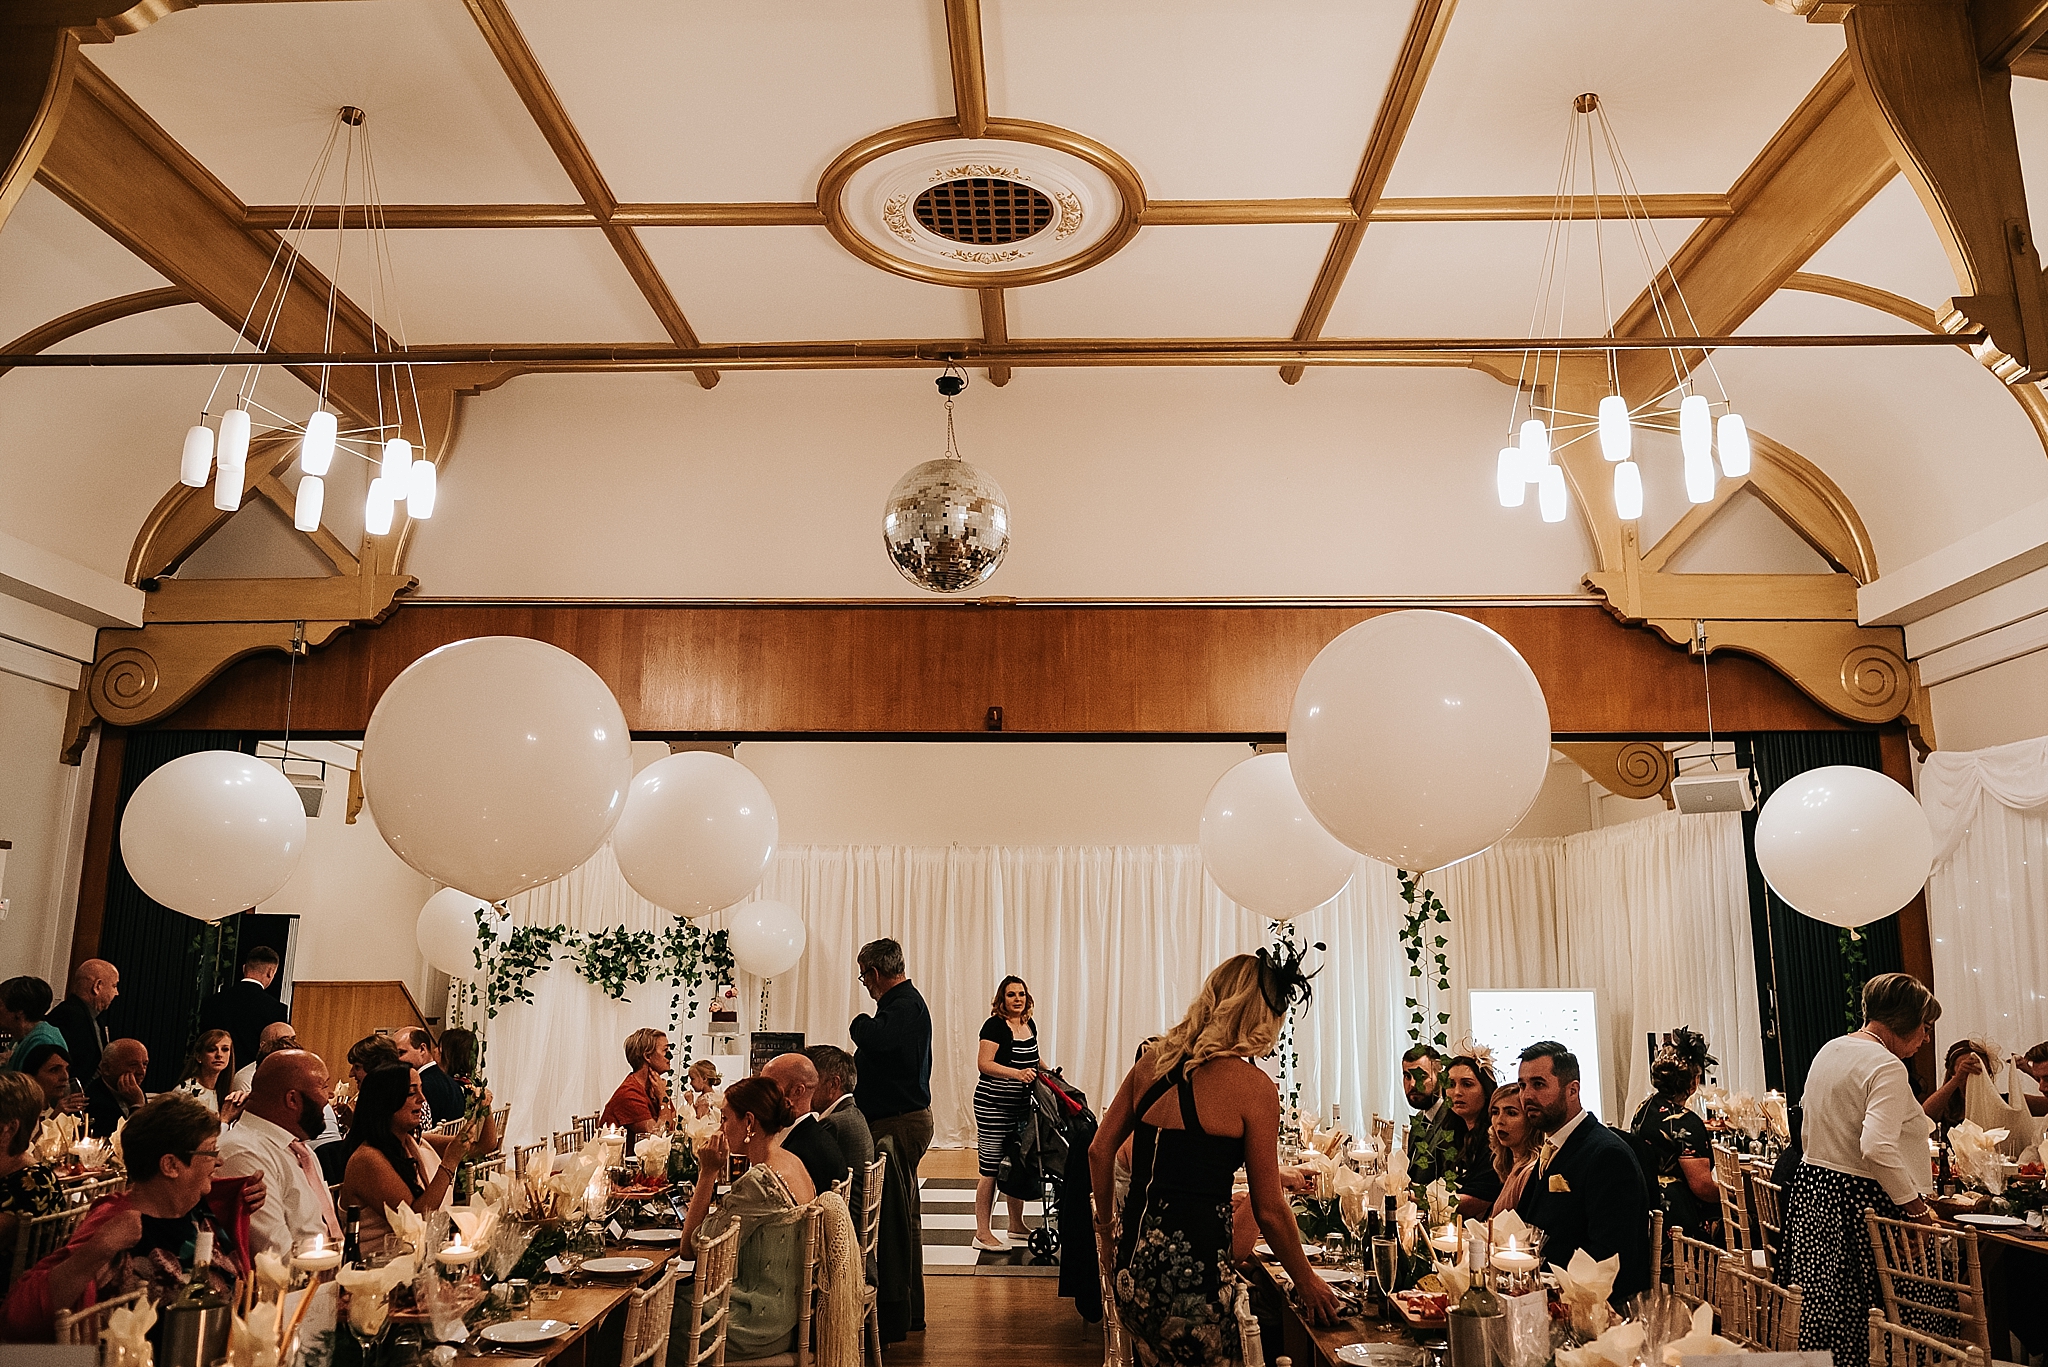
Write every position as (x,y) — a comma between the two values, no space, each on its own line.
(767,938)
(1844,844)
(496,764)
(1264,847)
(1419,738)
(447,932)
(213,833)
(697,834)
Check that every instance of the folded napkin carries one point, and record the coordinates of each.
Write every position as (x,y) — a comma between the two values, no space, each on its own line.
(1618,1346)
(55,1136)
(114,1141)
(475,1223)
(1701,1341)
(1744,1114)
(1349,1189)
(1775,1121)
(1584,1287)
(1443,1206)
(1323,1169)
(252,1342)
(1976,1158)
(273,1270)
(369,1291)
(127,1334)
(1508,1225)
(653,1154)
(699,1128)
(406,1223)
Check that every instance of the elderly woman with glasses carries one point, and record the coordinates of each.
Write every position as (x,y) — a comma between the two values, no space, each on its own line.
(144,1236)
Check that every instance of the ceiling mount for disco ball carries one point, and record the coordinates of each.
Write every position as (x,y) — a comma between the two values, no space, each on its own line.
(946,524)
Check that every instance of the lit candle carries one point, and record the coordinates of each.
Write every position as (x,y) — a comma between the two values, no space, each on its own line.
(316,1256)
(457,1254)
(1514,1258)
(1445,1240)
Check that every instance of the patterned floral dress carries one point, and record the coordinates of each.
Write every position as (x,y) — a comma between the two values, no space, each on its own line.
(25,1194)
(1175,1288)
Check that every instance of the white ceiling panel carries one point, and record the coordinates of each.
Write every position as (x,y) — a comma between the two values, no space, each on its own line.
(2030,122)
(53,261)
(497,285)
(798,284)
(251,90)
(1482,279)
(1247,280)
(1890,244)
(1693,89)
(736,102)
(1212,99)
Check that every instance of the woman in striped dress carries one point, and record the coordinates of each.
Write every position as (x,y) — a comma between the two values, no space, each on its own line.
(1009,1065)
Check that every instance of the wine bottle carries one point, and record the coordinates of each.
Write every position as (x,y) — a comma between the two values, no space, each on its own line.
(351,1239)
(1478,1322)
(1479,1298)
(196,1320)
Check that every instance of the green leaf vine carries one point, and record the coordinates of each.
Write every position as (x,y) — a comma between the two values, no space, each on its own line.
(1422,933)
(1855,972)
(685,955)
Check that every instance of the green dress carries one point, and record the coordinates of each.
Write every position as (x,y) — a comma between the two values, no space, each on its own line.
(765,1287)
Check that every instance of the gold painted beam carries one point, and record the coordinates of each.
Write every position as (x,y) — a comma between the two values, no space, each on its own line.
(1209,212)
(335,598)
(1759,597)
(995,330)
(93,315)
(37,66)
(328,544)
(1543,208)
(970,72)
(1425,38)
(2005,29)
(1626,768)
(494,19)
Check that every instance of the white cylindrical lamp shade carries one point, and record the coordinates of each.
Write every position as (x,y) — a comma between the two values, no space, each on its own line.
(233,448)
(1628,491)
(1699,477)
(1550,493)
(306,508)
(1695,426)
(1535,443)
(396,472)
(1614,430)
(316,451)
(377,508)
(419,497)
(1509,479)
(197,461)
(1734,442)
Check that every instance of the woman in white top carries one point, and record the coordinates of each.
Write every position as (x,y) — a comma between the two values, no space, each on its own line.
(1865,1140)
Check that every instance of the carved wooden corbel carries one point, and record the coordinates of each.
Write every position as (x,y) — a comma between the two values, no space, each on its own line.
(1626,768)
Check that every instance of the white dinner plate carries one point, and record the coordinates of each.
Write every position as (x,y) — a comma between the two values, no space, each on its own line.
(1337,1276)
(615,1267)
(526,1331)
(1265,1250)
(654,1236)
(1379,1355)
(1990,1221)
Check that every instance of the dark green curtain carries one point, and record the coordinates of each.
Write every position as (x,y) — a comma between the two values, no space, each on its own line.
(169,962)
(1809,974)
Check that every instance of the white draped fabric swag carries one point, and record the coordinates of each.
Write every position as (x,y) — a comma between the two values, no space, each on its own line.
(1987,898)
(1115,941)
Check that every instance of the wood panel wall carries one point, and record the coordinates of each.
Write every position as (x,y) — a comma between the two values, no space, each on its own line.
(328,1017)
(937,669)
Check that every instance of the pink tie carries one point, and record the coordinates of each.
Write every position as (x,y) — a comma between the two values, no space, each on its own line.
(304,1154)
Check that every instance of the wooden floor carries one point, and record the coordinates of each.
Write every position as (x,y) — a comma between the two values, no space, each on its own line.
(978,1320)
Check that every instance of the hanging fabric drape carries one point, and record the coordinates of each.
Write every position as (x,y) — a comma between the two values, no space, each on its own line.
(1987,898)
(1115,941)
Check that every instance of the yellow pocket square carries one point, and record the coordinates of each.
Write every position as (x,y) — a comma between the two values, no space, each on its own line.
(1557,1182)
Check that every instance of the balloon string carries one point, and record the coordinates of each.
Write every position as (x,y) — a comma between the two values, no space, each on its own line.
(290,691)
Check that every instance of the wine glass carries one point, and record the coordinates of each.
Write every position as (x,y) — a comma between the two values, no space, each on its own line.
(369,1319)
(584,1244)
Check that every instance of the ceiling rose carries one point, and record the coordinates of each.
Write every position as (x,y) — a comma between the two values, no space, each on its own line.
(1029,202)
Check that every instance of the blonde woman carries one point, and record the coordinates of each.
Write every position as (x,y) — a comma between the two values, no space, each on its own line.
(1514,1142)
(1199,1109)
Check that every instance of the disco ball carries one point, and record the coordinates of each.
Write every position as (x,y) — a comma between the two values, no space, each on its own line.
(946,525)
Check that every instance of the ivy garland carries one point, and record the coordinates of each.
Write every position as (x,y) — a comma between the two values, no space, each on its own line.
(1425,909)
(1855,972)
(691,957)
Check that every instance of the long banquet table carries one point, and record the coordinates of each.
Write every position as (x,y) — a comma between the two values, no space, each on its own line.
(1308,1345)
(597,1309)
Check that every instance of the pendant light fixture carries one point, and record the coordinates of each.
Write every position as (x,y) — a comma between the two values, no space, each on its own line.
(402,474)
(1547,428)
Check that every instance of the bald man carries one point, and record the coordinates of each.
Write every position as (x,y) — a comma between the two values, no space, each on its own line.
(114,1092)
(94,985)
(286,1104)
(273,1037)
(811,1142)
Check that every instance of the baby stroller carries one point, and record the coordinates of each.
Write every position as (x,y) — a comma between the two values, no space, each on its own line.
(1035,1156)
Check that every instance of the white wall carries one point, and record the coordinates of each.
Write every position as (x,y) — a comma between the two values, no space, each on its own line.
(42,810)
(1994,706)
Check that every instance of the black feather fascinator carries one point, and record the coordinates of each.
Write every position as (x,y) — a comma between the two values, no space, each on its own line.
(1281,981)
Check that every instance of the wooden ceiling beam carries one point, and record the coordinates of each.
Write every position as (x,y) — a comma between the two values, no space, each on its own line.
(970,70)
(1426,30)
(93,315)
(2006,29)
(1817,171)
(328,544)
(37,66)
(494,19)
(995,330)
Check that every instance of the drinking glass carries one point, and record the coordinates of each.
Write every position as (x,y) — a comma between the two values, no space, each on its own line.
(1386,1263)
(585,1243)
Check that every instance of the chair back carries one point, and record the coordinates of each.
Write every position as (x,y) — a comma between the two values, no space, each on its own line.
(1734,1210)
(1757,1313)
(1116,1349)
(492,1167)
(1694,1264)
(86,1326)
(649,1313)
(585,1125)
(1933,1275)
(1894,1345)
(808,1285)
(1656,1248)
(1767,1204)
(871,1207)
(40,1237)
(1250,1342)
(85,1193)
(711,1299)
(526,1153)
(501,1119)
(568,1141)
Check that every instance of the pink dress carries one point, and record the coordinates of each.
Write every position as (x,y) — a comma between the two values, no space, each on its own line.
(1511,1188)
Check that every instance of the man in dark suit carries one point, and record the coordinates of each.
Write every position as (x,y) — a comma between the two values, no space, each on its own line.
(94,985)
(246,1007)
(445,1098)
(811,1142)
(832,1101)
(1587,1191)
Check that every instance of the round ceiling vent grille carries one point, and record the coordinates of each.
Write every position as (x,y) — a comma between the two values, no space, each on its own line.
(983,211)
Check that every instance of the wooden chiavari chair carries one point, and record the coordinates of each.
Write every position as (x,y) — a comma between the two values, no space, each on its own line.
(486,1168)
(526,1153)
(1695,1265)
(85,1326)
(1755,1312)
(585,1125)
(1933,1274)
(711,1299)
(868,1219)
(1656,1248)
(38,1238)
(649,1313)
(1251,1342)
(1728,1177)
(1894,1345)
(568,1141)
(1767,1204)
(87,1192)
(799,1354)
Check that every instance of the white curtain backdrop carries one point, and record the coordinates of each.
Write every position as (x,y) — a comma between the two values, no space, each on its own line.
(1987,898)
(1115,941)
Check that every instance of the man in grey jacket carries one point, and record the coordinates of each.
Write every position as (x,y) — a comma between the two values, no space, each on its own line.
(832,1099)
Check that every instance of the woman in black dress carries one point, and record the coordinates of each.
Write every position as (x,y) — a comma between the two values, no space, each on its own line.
(1008,1063)
(1469,1085)
(1676,1138)
(1199,1108)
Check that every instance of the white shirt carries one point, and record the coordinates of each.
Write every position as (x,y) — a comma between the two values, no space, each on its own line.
(244,1078)
(1861,1118)
(291,1210)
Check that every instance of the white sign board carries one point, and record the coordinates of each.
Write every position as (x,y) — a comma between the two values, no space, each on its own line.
(1509,1020)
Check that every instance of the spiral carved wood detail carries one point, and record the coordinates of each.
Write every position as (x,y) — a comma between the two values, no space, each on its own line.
(1630,768)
